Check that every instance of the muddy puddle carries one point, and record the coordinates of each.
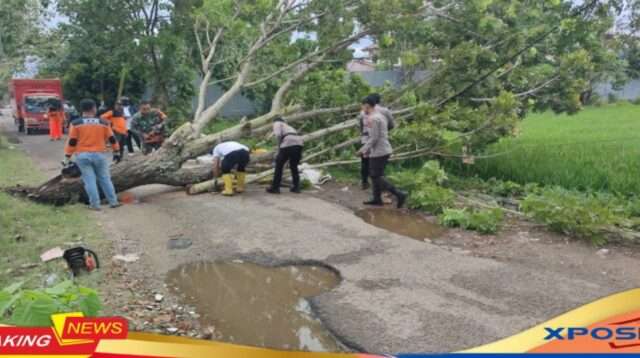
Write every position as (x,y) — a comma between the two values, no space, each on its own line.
(257,305)
(403,223)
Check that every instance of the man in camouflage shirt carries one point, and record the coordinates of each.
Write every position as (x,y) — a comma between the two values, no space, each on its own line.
(148,125)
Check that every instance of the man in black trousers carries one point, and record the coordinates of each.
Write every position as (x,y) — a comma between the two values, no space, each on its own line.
(377,150)
(364,135)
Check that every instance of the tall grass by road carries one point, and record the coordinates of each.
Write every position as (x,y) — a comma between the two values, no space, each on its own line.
(28,229)
(596,149)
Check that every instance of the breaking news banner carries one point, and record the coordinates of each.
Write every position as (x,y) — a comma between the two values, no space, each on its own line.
(606,327)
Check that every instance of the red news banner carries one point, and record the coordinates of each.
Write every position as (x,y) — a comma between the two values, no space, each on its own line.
(71,334)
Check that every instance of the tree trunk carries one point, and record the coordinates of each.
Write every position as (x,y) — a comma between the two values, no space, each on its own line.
(164,166)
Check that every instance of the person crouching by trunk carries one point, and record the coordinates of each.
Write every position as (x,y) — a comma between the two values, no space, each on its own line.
(226,157)
(378,149)
(87,140)
(118,124)
(290,146)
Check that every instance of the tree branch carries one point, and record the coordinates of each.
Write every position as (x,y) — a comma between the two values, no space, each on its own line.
(329,49)
(522,94)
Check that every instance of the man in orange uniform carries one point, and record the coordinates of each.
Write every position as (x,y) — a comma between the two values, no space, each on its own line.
(55,115)
(118,124)
(87,140)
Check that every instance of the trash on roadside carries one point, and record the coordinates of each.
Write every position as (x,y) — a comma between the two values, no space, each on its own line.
(603,253)
(28,266)
(158,297)
(179,243)
(52,254)
(80,259)
(315,176)
(50,280)
(128,258)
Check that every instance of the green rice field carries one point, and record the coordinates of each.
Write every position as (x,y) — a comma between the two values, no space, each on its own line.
(596,149)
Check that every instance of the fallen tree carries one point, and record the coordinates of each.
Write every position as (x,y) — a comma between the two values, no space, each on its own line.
(244,46)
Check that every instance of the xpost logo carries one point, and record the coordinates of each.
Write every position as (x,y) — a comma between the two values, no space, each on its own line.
(618,335)
(70,334)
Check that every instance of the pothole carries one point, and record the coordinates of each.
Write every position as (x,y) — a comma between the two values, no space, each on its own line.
(403,223)
(257,305)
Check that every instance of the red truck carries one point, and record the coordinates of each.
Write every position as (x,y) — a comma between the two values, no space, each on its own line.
(30,99)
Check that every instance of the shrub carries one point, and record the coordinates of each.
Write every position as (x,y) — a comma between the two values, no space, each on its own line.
(505,188)
(632,207)
(35,307)
(425,187)
(429,173)
(431,198)
(582,215)
(483,221)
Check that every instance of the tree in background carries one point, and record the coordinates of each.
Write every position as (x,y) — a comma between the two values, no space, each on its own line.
(129,46)
(19,37)
(488,62)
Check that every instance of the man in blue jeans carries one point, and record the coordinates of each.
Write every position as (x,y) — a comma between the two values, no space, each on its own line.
(88,137)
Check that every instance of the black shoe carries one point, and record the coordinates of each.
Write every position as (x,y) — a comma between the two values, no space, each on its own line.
(374,202)
(402,197)
(271,190)
(114,206)
(295,189)
(365,186)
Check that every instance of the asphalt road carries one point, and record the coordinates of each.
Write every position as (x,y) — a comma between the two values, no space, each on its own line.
(396,294)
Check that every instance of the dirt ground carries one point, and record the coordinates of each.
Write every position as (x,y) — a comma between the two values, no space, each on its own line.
(396,295)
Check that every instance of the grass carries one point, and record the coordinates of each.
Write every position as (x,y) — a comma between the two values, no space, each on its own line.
(28,229)
(597,149)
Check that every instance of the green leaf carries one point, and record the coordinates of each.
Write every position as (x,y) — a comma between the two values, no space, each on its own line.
(34,311)
(11,289)
(60,288)
(90,304)
(6,300)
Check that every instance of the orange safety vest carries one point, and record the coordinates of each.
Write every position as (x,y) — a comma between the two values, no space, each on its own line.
(118,123)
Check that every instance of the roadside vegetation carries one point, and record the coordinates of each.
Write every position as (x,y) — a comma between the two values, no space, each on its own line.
(34,289)
(596,149)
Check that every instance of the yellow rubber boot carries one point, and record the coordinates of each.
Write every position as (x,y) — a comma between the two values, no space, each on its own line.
(228,184)
(240,177)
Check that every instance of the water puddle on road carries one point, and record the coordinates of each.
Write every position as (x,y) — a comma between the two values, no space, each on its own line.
(412,225)
(258,305)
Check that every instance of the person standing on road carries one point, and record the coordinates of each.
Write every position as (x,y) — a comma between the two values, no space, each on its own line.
(226,157)
(378,149)
(118,124)
(129,110)
(55,115)
(88,136)
(290,146)
(364,135)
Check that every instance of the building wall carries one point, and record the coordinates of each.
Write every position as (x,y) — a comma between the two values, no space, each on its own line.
(239,106)
(394,77)
(630,91)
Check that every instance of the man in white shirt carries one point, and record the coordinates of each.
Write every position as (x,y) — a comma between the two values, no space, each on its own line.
(129,110)
(226,156)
